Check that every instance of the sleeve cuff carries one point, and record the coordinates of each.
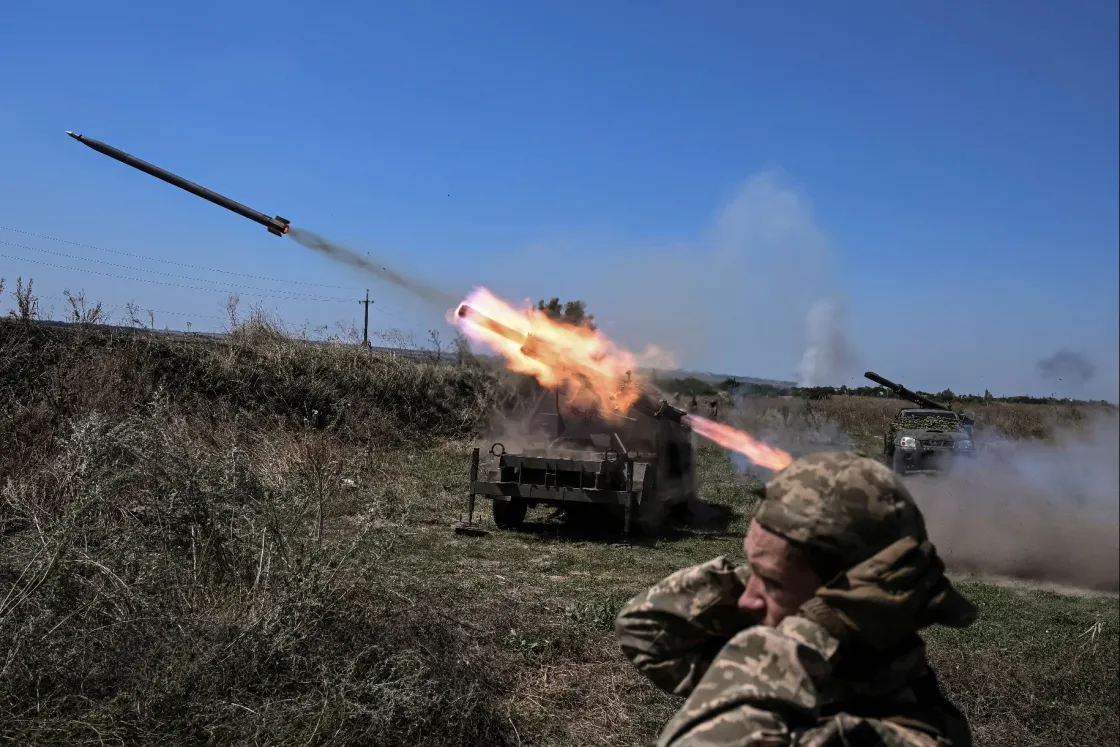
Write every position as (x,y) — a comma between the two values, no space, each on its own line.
(809,632)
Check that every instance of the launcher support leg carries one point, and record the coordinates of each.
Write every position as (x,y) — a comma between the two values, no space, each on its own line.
(628,521)
(469,528)
(474,478)
(631,505)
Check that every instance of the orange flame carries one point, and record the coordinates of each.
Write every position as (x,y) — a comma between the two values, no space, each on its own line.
(564,356)
(586,363)
(761,454)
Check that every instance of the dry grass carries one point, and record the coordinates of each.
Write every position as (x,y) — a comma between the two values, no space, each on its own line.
(165,581)
(249,541)
(48,376)
(862,421)
(1036,669)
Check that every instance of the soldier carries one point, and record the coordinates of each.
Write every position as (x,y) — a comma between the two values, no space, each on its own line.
(814,640)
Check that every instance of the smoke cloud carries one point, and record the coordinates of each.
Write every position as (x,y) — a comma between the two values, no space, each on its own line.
(1047,511)
(427,292)
(828,353)
(1066,365)
(747,283)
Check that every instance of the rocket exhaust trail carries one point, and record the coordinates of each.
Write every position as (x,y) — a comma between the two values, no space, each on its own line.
(556,353)
(738,441)
(424,291)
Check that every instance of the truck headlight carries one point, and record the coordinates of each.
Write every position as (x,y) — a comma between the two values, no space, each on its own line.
(907,442)
(964,445)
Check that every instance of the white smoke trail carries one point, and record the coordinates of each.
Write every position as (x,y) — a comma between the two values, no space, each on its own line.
(423,290)
(828,352)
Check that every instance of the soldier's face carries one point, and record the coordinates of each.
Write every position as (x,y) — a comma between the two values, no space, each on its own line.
(778,584)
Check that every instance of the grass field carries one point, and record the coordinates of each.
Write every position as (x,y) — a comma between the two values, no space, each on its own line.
(250,542)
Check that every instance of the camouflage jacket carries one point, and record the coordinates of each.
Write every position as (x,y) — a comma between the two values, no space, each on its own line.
(749,684)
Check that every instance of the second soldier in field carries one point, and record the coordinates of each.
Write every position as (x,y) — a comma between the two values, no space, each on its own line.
(814,640)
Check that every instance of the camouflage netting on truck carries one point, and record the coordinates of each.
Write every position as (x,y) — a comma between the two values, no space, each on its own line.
(930,423)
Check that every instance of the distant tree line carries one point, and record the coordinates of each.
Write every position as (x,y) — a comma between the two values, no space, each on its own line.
(690,386)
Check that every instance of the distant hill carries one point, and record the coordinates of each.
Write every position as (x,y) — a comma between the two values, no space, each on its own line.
(662,374)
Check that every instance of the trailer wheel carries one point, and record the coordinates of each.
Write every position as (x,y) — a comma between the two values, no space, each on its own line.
(510,514)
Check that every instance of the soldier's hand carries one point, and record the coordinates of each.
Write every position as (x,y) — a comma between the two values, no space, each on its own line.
(886,599)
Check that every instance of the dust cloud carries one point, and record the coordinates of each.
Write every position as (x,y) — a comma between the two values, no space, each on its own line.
(422,290)
(1038,511)
(1033,510)
(518,432)
(516,435)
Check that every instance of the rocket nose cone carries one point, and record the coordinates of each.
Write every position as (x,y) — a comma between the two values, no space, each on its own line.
(74,135)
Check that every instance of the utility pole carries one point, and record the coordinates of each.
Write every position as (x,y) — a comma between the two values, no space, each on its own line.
(365,327)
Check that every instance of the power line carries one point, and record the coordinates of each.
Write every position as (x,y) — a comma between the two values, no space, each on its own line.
(168,261)
(141,269)
(153,311)
(232,289)
(290,295)
(176,285)
(381,309)
(179,313)
(189,314)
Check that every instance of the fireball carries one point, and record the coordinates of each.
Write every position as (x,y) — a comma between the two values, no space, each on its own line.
(576,359)
(582,361)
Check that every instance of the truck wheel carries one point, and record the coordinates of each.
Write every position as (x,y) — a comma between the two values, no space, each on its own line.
(510,514)
(898,464)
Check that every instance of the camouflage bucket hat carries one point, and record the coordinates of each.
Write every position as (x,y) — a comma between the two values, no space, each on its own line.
(842,508)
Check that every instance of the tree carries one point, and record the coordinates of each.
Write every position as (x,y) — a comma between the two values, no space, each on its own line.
(730,385)
(572,312)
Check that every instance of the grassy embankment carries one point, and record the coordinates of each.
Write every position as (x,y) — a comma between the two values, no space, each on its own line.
(249,541)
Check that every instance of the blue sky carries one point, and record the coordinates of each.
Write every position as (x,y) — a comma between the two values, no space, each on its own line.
(944,175)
